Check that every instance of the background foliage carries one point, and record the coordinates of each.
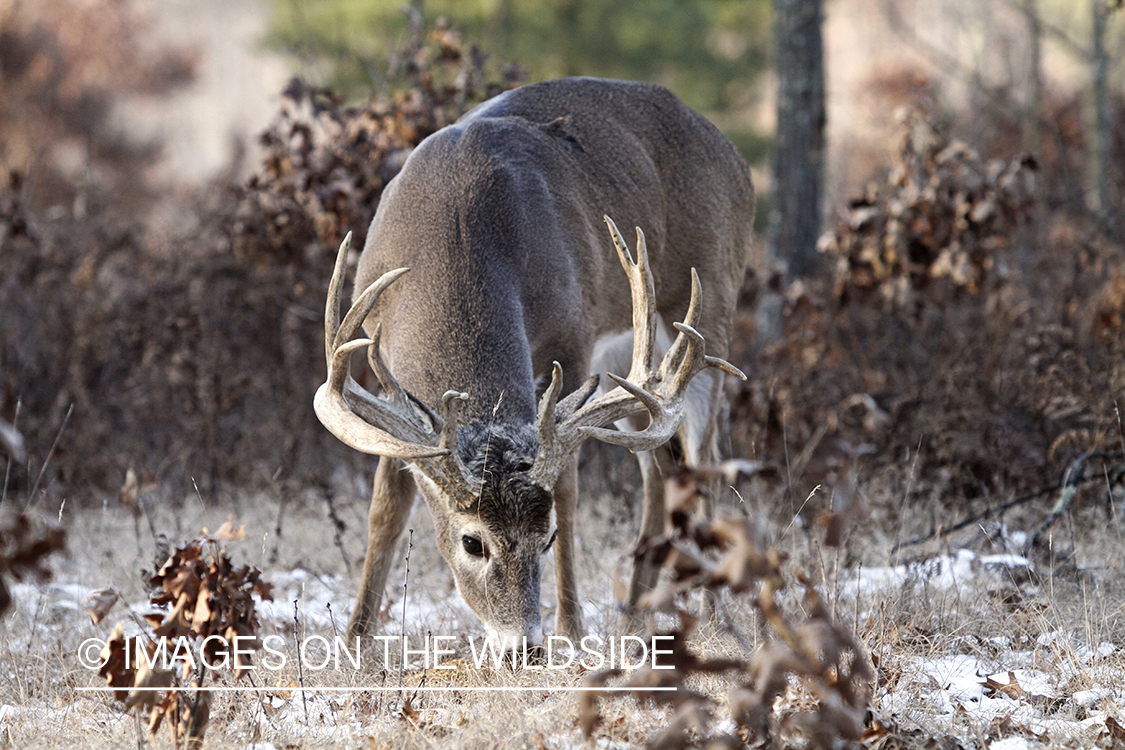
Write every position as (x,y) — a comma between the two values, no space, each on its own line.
(710,52)
(964,342)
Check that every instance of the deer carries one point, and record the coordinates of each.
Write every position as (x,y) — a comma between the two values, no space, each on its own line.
(486,294)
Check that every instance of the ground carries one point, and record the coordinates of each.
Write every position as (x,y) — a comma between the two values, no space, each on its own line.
(972,648)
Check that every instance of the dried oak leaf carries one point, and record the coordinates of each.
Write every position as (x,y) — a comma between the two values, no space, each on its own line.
(744,563)
(1114,732)
(98,603)
(151,683)
(25,541)
(228,533)
(1011,688)
(118,671)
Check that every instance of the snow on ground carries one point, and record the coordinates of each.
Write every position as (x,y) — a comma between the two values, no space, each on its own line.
(941,573)
(1022,690)
(1025,694)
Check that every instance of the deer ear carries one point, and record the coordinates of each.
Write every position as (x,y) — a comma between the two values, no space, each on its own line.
(560,128)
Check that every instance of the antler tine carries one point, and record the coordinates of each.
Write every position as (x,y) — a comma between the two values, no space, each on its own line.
(663,423)
(547,465)
(391,387)
(450,469)
(332,304)
(361,308)
(691,339)
(643,295)
(339,415)
(675,352)
(555,448)
(548,430)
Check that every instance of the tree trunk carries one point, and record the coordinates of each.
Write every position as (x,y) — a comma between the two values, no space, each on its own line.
(799,147)
(1103,205)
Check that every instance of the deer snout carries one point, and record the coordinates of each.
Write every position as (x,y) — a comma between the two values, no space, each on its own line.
(517,641)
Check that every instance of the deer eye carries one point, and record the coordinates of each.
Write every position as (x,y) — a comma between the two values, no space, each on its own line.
(554,534)
(472,545)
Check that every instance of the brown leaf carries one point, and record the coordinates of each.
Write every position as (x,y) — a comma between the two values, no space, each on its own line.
(1115,732)
(115,670)
(98,603)
(150,679)
(1011,688)
(228,533)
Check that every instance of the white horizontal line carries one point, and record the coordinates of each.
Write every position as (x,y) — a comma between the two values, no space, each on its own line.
(405,688)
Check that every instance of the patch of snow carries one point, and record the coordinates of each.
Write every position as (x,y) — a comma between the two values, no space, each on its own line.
(941,573)
(1004,561)
(959,676)
(315,597)
(51,597)
(1087,698)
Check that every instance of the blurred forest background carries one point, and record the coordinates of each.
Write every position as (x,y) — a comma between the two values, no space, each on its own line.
(947,321)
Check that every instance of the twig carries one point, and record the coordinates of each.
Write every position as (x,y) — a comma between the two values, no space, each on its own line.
(199,494)
(1071,481)
(1059,34)
(277,528)
(405,583)
(332,620)
(8,467)
(300,664)
(51,452)
(260,713)
(1075,475)
(339,528)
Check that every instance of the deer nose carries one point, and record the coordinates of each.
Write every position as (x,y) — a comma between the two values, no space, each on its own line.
(514,640)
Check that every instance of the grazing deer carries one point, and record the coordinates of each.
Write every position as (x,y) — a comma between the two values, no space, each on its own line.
(486,269)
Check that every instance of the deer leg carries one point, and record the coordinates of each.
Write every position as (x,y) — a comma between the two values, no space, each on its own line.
(699,436)
(391,501)
(655,466)
(568,618)
(701,448)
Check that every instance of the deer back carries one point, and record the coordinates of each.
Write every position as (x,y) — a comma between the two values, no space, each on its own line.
(499,219)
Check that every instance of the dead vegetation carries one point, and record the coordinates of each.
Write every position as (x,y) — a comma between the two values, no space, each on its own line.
(26,540)
(963,349)
(944,214)
(203,625)
(815,663)
(188,349)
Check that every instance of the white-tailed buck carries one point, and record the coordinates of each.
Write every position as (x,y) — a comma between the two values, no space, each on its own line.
(486,285)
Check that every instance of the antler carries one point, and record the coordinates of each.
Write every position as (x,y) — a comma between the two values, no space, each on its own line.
(398,426)
(563,426)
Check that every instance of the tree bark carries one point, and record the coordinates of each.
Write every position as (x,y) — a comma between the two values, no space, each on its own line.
(799,148)
(1102,135)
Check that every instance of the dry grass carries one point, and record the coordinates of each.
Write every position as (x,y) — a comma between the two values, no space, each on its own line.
(1006,621)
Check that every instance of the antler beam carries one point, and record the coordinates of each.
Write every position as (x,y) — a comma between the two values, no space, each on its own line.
(398,426)
(659,392)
